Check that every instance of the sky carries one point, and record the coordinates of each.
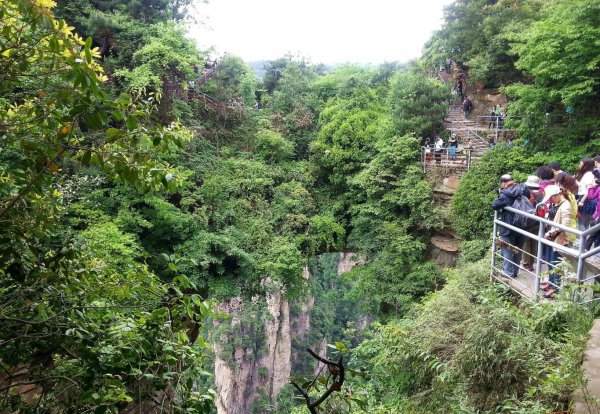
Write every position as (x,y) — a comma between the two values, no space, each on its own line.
(325,31)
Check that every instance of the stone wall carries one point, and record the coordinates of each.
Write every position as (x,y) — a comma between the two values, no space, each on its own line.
(586,400)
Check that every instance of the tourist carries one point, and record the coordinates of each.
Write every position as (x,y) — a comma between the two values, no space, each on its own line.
(555,167)
(530,245)
(546,176)
(459,89)
(448,65)
(467,106)
(568,185)
(593,240)
(585,180)
(468,145)
(597,161)
(499,115)
(439,148)
(563,217)
(452,146)
(493,118)
(512,241)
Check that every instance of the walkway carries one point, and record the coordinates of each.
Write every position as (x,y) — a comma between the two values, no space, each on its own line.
(578,268)
(464,129)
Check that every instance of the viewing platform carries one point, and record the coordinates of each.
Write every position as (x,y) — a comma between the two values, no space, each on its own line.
(576,267)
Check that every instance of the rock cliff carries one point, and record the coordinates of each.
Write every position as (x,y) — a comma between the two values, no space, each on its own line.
(253,346)
(256,366)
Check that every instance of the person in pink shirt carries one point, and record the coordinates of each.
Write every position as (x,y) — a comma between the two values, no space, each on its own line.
(594,194)
(546,176)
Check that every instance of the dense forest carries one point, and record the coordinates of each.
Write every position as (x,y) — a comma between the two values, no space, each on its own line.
(156,205)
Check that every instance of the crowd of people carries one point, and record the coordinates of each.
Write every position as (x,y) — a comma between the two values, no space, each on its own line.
(453,147)
(565,199)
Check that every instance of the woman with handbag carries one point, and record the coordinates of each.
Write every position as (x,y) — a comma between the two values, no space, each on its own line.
(563,216)
(585,180)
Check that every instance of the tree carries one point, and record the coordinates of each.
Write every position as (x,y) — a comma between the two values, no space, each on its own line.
(88,329)
(559,52)
(349,126)
(418,105)
(476,36)
(291,105)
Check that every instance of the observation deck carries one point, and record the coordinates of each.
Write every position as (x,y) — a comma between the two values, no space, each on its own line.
(576,267)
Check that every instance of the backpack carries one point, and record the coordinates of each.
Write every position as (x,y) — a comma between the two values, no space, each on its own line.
(523,204)
(546,211)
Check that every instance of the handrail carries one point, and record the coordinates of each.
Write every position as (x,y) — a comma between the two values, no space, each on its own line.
(503,117)
(577,253)
(567,229)
(468,129)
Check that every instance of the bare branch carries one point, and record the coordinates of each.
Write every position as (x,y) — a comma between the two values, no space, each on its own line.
(336,371)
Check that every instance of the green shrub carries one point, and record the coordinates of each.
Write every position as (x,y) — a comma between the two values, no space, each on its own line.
(473,250)
(468,349)
(472,215)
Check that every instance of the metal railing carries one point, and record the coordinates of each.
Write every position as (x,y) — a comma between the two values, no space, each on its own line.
(570,253)
(446,157)
(465,129)
(495,123)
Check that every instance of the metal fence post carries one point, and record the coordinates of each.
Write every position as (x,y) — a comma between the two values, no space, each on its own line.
(497,126)
(494,232)
(468,159)
(580,260)
(538,264)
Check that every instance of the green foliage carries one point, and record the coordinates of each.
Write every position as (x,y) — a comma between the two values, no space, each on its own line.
(418,104)
(291,105)
(558,51)
(472,213)
(234,79)
(167,55)
(272,147)
(349,127)
(476,35)
(94,329)
(467,349)
(472,251)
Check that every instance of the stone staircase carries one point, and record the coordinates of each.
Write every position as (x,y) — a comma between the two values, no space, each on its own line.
(456,123)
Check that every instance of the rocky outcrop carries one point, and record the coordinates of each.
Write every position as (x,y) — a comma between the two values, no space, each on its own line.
(444,250)
(347,261)
(244,372)
(321,350)
(279,345)
(252,362)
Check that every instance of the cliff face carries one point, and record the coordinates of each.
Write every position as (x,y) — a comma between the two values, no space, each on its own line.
(279,345)
(347,262)
(300,323)
(261,367)
(254,352)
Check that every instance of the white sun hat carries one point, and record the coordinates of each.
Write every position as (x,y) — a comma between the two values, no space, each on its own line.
(550,191)
(533,181)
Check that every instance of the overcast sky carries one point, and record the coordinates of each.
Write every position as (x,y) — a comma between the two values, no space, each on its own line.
(326,31)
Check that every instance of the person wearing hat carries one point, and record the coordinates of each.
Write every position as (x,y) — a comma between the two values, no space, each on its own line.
(563,216)
(452,146)
(513,241)
(530,246)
